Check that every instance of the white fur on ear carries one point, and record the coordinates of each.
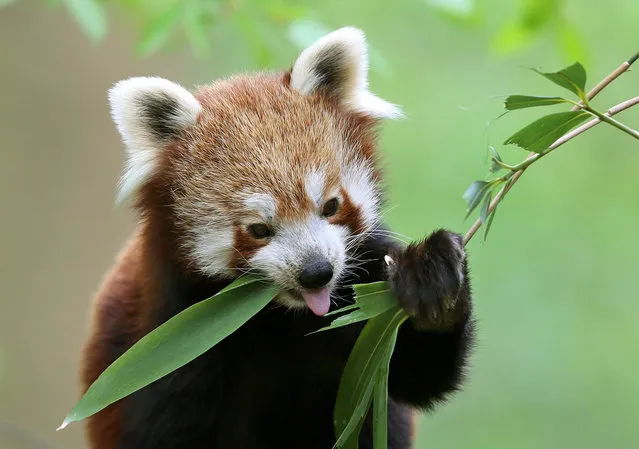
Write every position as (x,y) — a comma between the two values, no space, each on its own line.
(338,63)
(148,112)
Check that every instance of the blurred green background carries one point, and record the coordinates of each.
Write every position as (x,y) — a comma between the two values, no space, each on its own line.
(555,284)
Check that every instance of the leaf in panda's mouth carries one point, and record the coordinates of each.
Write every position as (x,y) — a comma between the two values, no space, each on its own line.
(370,300)
(175,343)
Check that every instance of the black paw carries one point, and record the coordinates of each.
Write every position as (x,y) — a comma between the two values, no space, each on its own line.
(429,279)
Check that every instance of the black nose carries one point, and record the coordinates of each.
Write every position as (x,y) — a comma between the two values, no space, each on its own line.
(316,274)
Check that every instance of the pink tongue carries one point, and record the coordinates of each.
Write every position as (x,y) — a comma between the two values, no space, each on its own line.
(319,301)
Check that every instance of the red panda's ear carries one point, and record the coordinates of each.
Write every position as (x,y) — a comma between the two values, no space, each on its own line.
(148,112)
(337,64)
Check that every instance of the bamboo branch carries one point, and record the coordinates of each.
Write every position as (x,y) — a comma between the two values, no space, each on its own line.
(609,79)
(615,123)
(532,157)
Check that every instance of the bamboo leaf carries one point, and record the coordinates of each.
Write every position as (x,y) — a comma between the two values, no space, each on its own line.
(349,437)
(572,78)
(371,351)
(540,134)
(473,190)
(484,209)
(362,290)
(495,167)
(474,194)
(371,300)
(489,223)
(181,339)
(514,102)
(91,17)
(380,398)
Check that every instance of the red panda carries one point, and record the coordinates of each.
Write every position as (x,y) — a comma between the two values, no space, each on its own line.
(276,175)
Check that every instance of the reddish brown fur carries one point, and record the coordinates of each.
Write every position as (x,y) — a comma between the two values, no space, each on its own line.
(257,132)
(348,214)
(119,312)
(245,246)
(200,175)
(125,306)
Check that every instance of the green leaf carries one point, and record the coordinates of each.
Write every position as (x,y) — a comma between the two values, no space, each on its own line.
(175,343)
(489,223)
(572,78)
(362,290)
(525,101)
(372,351)
(91,17)
(158,31)
(495,167)
(349,437)
(341,310)
(374,298)
(380,399)
(484,209)
(474,194)
(371,300)
(540,134)
(472,191)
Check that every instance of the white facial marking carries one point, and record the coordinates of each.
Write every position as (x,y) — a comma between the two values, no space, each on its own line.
(289,300)
(356,180)
(212,248)
(295,244)
(315,186)
(261,203)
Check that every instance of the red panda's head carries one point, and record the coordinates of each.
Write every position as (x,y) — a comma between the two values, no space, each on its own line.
(271,173)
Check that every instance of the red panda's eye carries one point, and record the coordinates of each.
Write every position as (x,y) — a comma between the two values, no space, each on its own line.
(260,231)
(330,207)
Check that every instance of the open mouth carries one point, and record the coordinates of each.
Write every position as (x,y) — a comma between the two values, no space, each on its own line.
(318,300)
